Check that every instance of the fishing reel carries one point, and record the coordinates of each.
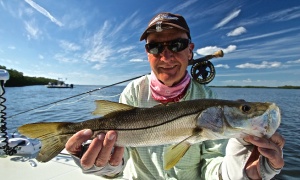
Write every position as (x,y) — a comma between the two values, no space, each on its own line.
(202,70)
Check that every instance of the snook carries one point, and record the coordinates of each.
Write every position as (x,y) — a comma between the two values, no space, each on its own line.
(183,123)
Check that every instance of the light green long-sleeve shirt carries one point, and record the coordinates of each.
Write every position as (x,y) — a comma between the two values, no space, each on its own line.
(201,161)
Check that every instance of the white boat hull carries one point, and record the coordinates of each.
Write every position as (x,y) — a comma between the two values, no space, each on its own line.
(61,167)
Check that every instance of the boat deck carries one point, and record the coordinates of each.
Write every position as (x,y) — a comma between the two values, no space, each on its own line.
(61,167)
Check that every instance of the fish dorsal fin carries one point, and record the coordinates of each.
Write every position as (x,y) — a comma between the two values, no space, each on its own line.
(174,153)
(104,107)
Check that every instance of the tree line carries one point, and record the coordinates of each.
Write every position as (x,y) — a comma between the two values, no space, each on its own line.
(17,79)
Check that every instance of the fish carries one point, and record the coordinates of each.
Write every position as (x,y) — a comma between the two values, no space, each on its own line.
(178,125)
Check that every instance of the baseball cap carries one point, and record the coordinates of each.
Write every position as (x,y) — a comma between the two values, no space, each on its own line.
(164,21)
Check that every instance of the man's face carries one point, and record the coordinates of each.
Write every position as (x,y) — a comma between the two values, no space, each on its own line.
(169,67)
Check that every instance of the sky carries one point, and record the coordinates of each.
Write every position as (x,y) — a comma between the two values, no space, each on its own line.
(96,42)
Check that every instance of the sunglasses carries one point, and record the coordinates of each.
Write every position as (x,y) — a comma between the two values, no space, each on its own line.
(176,45)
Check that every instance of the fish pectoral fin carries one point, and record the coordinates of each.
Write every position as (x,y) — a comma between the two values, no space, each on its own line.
(104,107)
(174,153)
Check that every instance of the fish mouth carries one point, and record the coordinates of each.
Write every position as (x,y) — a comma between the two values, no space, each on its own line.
(266,124)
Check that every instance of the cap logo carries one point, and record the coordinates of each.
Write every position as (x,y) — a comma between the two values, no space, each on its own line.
(158,26)
(162,17)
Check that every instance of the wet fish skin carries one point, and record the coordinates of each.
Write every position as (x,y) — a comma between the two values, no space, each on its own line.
(183,123)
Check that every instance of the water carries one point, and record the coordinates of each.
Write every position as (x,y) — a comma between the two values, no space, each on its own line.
(20,99)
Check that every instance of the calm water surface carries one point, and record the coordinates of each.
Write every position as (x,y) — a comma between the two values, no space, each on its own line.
(19,99)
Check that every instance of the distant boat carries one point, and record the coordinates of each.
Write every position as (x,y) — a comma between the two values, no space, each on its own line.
(59,84)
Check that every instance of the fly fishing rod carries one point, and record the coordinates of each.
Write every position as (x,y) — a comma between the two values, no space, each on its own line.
(202,71)
(88,92)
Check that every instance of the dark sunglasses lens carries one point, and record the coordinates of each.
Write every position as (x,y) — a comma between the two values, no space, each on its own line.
(174,46)
(154,48)
(178,45)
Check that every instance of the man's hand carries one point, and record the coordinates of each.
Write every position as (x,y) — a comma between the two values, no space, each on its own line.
(269,148)
(100,152)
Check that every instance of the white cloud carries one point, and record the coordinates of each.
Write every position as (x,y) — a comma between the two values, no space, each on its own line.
(293,62)
(248,80)
(208,50)
(136,60)
(43,11)
(99,47)
(41,56)
(286,14)
(212,49)
(226,66)
(105,45)
(68,46)
(236,32)
(184,5)
(267,35)
(2,4)
(281,15)
(11,47)
(229,49)
(6,61)
(32,29)
(263,65)
(62,58)
(227,19)
(26,11)
(97,66)
(125,49)
(124,23)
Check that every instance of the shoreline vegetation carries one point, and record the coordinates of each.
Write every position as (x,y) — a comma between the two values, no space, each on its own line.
(17,79)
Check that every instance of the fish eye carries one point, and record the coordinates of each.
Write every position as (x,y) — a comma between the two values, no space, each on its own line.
(246,108)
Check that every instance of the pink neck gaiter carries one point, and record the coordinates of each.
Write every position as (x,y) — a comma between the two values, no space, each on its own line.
(164,94)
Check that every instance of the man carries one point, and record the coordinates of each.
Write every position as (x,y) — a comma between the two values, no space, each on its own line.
(169,49)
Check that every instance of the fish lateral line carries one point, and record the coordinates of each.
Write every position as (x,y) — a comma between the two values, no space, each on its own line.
(146,127)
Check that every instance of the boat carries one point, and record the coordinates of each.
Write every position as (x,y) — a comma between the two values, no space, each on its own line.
(23,164)
(59,84)
(21,145)
(18,152)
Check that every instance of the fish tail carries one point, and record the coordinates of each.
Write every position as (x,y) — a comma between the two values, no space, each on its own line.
(53,140)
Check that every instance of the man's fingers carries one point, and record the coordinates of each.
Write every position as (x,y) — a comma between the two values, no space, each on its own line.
(73,145)
(99,152)
(89,157)
(274,157)
(117,156)
(105,153)
(270,148)
(273,143)
(278,139)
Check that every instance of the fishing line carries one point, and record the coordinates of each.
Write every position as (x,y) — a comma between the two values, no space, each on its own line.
(88,92)
(76,101)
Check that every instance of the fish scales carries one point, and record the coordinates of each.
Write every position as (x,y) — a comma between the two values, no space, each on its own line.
(146,123)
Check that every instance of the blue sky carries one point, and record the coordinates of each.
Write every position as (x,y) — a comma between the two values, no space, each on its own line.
(96,42)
